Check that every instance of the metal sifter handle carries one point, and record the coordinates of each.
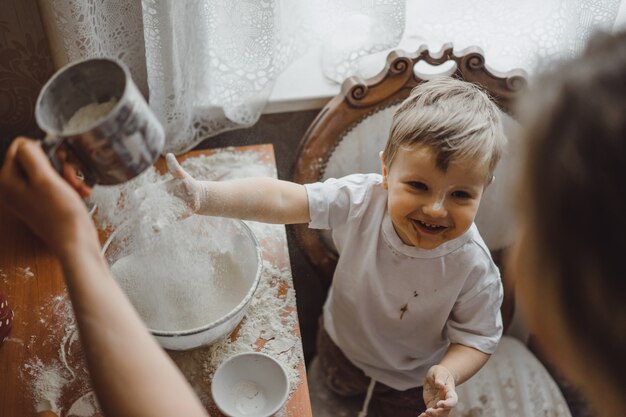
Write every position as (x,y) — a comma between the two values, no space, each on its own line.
(50,145)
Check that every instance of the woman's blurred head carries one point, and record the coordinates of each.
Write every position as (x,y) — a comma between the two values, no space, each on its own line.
(571,259)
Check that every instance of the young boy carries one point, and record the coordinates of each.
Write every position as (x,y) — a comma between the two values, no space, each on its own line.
(415,297)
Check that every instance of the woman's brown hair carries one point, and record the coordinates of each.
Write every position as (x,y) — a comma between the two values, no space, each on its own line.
(573,200)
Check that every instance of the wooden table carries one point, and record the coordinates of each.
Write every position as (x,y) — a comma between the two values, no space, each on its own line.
(43,354)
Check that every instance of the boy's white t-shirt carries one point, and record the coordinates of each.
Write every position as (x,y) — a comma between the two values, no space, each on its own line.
(393,309)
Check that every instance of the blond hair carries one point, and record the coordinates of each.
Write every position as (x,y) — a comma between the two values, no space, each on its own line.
(454,118)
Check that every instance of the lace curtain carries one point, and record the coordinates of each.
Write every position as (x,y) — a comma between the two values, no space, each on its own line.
(208,66)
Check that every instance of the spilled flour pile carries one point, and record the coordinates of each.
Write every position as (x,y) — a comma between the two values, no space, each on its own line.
(60,379)
(48,382)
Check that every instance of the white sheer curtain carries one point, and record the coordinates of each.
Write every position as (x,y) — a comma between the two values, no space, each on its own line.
(209,65)
(524,34)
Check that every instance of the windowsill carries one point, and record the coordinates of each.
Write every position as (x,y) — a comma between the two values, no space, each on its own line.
(302,86)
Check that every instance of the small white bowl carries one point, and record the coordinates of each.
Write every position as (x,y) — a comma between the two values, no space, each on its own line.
(250,385)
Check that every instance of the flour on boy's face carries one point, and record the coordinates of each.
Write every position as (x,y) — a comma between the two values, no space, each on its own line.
(428,206)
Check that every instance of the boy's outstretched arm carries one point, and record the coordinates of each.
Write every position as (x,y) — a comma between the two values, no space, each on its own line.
(458,365)
(261,199)
(131,374)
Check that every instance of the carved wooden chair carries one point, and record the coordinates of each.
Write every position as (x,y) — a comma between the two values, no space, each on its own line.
(346,137)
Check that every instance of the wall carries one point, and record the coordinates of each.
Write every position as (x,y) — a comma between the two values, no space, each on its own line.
(25,65)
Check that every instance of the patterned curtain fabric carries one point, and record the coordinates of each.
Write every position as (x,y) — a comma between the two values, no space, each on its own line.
(209,66)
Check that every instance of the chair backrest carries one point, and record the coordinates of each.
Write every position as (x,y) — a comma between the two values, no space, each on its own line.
(352,128)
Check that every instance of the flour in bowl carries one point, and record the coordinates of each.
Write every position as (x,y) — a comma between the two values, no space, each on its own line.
(186,276)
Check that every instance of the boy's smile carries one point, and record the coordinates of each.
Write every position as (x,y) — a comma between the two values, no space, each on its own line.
(428,206)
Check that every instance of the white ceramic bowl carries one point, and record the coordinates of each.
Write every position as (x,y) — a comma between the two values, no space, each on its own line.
(250,385)
(235,235)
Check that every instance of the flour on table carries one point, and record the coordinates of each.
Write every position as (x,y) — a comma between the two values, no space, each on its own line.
(25,272)
(85,406)
(49,380)
(14,340)
(88,115)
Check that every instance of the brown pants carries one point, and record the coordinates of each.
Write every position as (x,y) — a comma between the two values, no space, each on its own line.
(345,379)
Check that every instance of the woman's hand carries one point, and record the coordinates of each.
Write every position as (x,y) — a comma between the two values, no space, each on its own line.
(439,392)
(32,190)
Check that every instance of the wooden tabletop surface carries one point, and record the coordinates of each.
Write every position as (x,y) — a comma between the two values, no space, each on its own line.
(43,358)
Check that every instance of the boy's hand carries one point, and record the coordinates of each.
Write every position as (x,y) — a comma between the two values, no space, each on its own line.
(439,392)
(184,186)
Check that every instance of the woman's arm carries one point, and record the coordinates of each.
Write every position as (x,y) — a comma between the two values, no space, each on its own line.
(131,374)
